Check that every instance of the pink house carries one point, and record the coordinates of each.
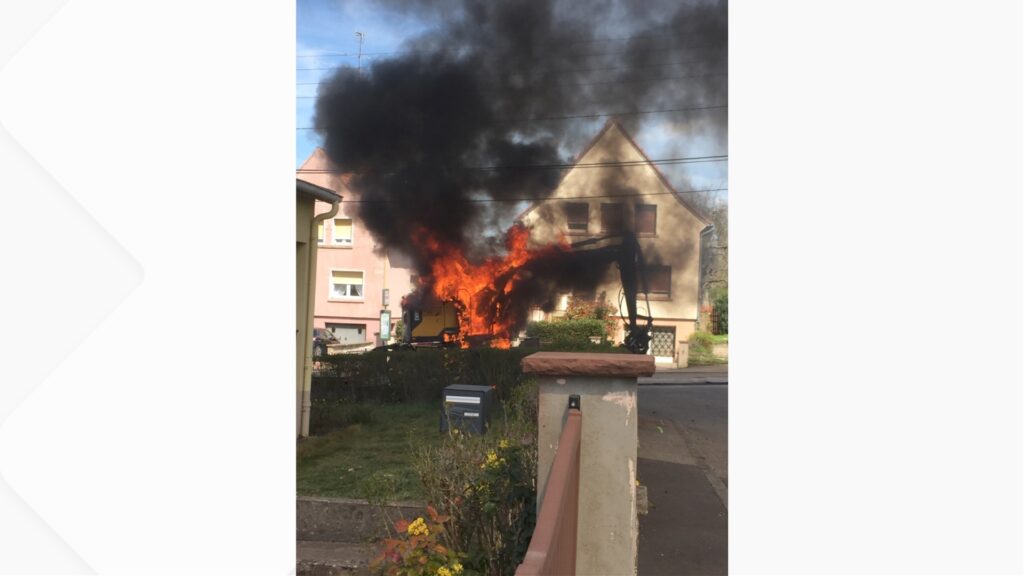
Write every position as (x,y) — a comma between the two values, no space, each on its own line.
(351,273)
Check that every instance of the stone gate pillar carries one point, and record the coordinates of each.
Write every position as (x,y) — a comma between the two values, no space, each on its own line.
(606,383)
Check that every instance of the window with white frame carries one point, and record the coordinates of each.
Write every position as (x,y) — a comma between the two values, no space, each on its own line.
(343,231)
(320,233)
(346,284)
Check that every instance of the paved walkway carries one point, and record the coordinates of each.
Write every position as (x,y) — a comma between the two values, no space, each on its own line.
(683,462)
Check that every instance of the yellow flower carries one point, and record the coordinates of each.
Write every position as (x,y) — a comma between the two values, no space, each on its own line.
(503,444)
(444,571)
(457,568)
(492,460)
(417,528)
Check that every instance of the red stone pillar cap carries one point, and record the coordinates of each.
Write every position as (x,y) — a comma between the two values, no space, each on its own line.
(588,364)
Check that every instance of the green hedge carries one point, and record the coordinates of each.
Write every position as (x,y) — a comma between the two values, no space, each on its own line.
(412,376)
(566,330)
(404,376)
(571,345)
(721,307)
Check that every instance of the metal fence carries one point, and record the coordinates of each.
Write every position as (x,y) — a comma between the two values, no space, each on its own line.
(552,549)
(718,321)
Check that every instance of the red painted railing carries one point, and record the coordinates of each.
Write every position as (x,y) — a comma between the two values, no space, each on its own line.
(552,550)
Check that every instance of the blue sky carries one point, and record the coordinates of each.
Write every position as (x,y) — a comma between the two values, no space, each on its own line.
(326,38)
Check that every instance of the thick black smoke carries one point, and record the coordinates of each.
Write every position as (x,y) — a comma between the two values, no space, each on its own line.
(491,87)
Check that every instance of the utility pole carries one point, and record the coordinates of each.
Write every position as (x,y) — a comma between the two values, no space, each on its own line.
(359,58)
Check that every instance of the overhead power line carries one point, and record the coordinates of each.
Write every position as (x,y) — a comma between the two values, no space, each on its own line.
(626,113)
(596,115)
(542,198)
(645,52)
(575,43)
(609,164)
(563,71)
(602,83)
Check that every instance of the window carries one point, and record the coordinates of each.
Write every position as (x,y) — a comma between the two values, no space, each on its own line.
(646,219)
(611,218)
(320,233)
(584,295)
(659,281)
(346,284)
(577,215)
(343,231)
(346,333)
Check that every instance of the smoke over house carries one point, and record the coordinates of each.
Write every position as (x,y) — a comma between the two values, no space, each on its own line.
(443,137)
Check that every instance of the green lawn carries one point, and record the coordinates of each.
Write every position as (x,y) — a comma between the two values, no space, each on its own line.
(338,463)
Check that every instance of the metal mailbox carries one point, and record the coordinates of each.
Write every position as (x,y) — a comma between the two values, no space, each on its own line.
(466,408)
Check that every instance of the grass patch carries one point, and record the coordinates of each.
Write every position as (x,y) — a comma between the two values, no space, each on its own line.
(342,463)
(705,360)
(702,348)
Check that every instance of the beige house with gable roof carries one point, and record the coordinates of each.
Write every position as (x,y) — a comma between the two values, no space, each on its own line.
(593,202)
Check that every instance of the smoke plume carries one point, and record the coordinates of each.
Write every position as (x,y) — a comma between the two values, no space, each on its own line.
(510,84)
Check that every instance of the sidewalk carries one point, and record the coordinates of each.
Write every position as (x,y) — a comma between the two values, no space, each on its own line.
(685,532)
(714,374)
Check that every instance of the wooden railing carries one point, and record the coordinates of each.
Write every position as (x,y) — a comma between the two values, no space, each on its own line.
(552,550)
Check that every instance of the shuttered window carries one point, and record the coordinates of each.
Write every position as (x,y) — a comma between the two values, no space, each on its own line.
(646,219)
(659,281)
(612,218)
(346,284)
(343,231)
(577,216)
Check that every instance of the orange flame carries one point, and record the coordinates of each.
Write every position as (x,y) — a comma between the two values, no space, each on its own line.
(480,291)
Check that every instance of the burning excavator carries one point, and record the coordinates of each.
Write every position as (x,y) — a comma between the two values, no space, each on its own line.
(464,304)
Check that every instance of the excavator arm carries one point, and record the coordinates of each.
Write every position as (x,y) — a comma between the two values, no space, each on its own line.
(624,250)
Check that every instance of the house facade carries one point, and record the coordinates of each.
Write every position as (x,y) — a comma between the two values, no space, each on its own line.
(593,202)
(351,271)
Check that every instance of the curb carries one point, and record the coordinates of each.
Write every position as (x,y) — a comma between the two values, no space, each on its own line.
(683,382)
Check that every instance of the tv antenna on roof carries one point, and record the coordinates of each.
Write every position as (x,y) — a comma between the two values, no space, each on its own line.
(359,58)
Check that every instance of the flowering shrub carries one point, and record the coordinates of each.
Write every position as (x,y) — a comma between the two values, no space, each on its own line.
(417,550)
(487,489)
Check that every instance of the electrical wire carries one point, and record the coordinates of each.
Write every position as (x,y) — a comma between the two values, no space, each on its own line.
(609,164)
(575,43)
(564,71)
(541,199)
(596,115)
(602,83)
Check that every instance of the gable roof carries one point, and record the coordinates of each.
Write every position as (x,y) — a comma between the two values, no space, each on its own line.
(320,170)
(613,123)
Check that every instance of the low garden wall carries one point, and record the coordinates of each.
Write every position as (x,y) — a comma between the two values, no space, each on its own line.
(348,520)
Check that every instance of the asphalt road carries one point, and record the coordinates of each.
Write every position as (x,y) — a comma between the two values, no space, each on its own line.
(683,462)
